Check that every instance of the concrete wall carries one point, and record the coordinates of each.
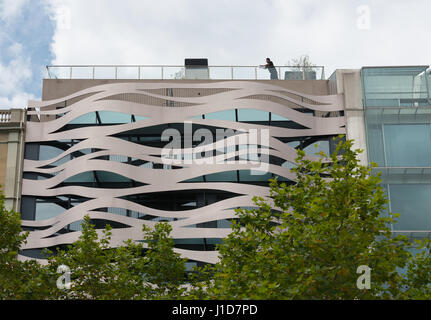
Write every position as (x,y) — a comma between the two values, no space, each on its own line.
(58,88)
(4,136)
(348,82)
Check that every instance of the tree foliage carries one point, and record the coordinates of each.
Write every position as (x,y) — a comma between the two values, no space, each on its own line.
(306,241)
(99,271)
(309,242)
(303,62)
(19,279)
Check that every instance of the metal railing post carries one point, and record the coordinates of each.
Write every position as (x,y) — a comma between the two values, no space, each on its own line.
(93,71)
(427,83)
(70,73)
(231,72)
(255,73)
(139,73)
(162,72)
(116,72)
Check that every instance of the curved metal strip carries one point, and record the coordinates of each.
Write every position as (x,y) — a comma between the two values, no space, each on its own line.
(232,95)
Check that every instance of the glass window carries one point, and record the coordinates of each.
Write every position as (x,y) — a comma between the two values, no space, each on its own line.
(88,118)
(289,165)
(254,175)
(221,176)
(196,179)
(61,161)
(139,118)
(119,211)
(49,152)
(397,87)
(222,115)
(252,115)
(106,176)
(110,117)
(47,210)
(375,137)
(413,203)
(408,144)
(76,225)
(276,117)
(315,148)
(87,176)
(224,223)
(293,144)
(118,158)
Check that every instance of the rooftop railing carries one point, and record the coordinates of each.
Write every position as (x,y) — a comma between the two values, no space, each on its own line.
(12,119)
(178,72)
(5,116)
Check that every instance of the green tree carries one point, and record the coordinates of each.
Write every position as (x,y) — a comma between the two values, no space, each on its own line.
(308,240)
(416,282)
(19,279)
(94,273)
(99,271)
(165,271)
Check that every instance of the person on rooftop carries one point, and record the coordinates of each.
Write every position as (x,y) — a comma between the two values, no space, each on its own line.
(272,71)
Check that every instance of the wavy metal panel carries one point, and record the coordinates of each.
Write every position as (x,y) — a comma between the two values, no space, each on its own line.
(160,104)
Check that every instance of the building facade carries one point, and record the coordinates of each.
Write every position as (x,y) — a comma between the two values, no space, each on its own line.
(130,152)
(397,108)
(12,132)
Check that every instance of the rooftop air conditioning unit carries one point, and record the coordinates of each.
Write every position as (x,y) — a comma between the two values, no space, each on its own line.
(196,69)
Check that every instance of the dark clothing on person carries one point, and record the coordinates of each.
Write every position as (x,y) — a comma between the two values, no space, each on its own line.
(273,73)
(270,64)
(272,70)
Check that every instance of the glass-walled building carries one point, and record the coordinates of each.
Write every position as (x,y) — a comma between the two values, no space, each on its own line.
(397,106)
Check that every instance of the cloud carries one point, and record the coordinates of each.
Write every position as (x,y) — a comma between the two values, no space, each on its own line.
(9,9)
(240,32)
(13,76)
(163,32)
(25,37)
(17,100)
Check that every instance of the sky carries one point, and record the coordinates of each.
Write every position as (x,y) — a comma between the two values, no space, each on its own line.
(338,34)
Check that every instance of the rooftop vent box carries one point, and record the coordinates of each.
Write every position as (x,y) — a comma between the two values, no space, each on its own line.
(196,69)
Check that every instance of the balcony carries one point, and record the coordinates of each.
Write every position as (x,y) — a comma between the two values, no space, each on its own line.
(400,87)
(11,118)
(5,116)
(178,72)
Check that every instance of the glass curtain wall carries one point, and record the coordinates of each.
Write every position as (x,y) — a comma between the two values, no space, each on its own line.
(398,122)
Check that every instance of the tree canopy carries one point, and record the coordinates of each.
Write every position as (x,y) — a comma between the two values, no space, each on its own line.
(317,238)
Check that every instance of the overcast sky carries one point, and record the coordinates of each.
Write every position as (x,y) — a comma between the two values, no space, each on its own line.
(334,33)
